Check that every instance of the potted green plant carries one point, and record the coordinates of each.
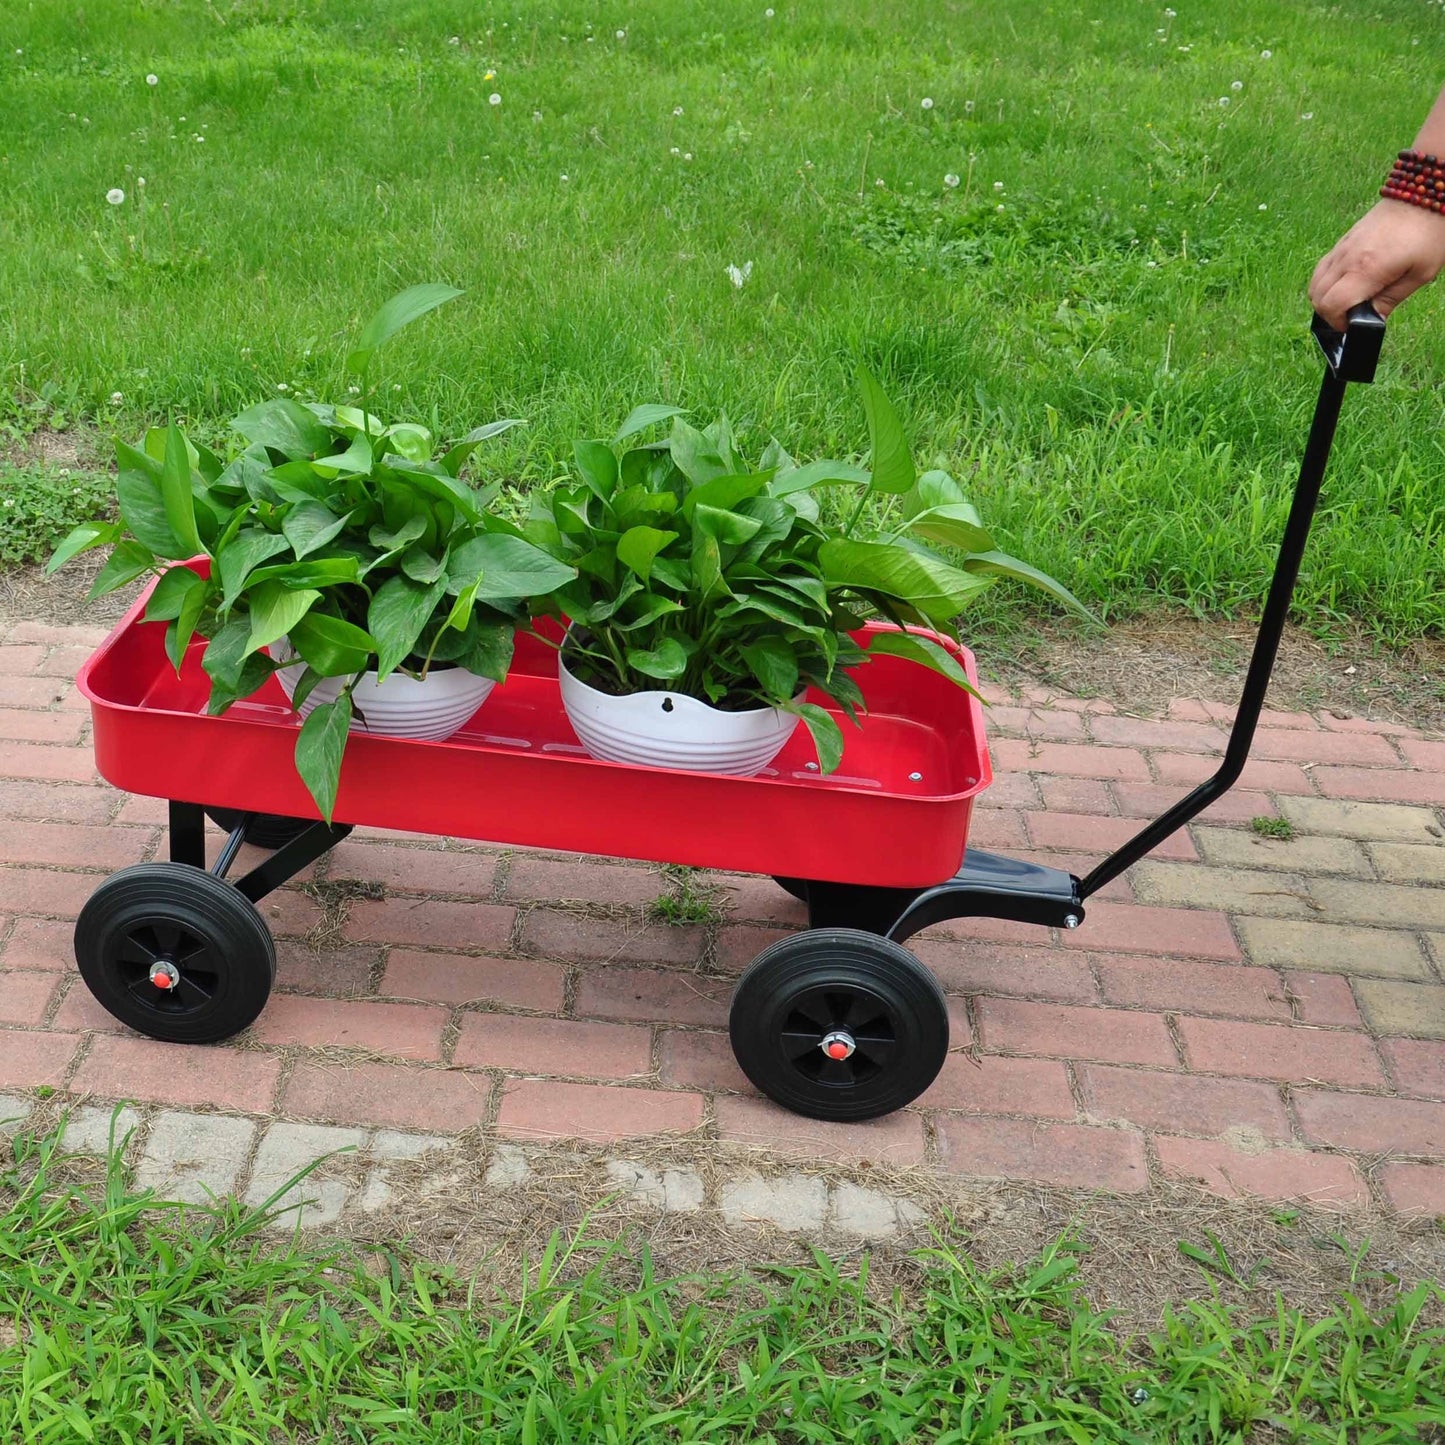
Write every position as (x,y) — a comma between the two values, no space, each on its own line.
(712,592)
(348,556)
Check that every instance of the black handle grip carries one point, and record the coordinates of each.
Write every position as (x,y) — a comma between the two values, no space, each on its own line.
(1353,353)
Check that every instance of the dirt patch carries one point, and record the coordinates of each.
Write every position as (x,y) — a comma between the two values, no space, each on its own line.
(78,449)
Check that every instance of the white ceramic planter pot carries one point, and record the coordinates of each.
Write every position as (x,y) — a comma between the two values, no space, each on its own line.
(399,706)
(670,730)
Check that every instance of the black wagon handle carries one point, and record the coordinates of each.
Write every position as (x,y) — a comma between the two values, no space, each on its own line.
(1352,354)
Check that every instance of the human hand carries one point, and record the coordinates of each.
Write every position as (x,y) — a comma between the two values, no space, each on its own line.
(1390,252)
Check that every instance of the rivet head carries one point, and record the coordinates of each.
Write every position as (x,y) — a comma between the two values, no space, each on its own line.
(811,767)
(1071,920)
(915,777)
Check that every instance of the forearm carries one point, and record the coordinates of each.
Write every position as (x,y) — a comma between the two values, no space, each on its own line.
(1431,139)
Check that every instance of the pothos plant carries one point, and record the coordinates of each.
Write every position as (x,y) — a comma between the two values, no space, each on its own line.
(743,583)
(358,544)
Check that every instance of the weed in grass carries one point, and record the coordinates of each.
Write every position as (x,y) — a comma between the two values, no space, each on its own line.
(690,899)
(40,505)
(1280,828)
(122,1318)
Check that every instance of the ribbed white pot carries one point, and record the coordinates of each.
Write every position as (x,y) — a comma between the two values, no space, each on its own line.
(398,706)
(670,730)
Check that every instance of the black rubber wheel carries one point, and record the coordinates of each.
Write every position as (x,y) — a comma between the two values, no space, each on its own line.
(839,1024)
(265,830)
(798,887)
(175,953)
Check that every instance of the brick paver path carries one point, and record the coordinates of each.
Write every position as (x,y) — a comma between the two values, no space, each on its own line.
(1265,1016)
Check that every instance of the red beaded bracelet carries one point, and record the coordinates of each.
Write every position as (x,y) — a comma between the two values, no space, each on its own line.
(1418,180)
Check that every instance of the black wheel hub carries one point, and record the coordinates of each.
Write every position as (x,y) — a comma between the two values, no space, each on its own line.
(838,1036)
(167,968)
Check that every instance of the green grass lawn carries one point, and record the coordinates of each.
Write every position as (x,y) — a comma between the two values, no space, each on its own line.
(1102,324)
(122,1321)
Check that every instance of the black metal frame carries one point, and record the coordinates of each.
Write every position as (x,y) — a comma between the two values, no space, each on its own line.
(988,885)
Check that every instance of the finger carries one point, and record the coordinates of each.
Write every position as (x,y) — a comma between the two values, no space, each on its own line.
(1330,267)
(1352,288)
(1398,290)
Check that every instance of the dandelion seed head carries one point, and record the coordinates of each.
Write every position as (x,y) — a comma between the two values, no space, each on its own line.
(927,102)
(494,99)
(950,180)
(768,14)
(153,80)
(1224,100)
(116,398)
(622,35)
(687,155)
(998,185)
(115,195)
(1266,55)
(677,110)
(1236,85)
(281,386)
(968,105)
(1308,115)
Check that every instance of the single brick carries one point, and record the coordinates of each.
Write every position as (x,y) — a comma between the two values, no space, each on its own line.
(1233,847)
(1133,928)
(133,1068)
(37,692)
(194,1158)
(415,870)
(30,725)
(1033,722)
(44,760)
(1230,990)
(1392,905)
(596,1113)
(1380,822)
(1386,785)
(1149,800)
(994,968)
(1420,753)
(654,993)
(144,812)
(1320,1179)
(1186,1103)
(1060,1031)
(457,979)
(40,943)
(1323,998)
(1098,835)
(1393,1007)
(56,802)
(1271,1051)
(93,1128)
(344,972)
(555,934)
(1371,1123)
(1266,777)
(761,1124)
(739,945)
(693,1059)
(1189,709)
(72,845)
(994,1085)
(397,1096)
(1010,790)
(65,660)
(33,1059)
(428,923)
(1185,737)
(1072,759)
(1325,747)
(787,1201)
(49,634)
(24,997)
(407,1030)
(79,1012)
(1409,862)
(523,1045)
(1235,890)
(1416,1189)
(1045,697)
(1295,721)
(1074,1156)
(1418,1066)
(555,880)
(1076,795)
(286,1149)
(1332,947)
(43,891)
(761,900)
(1341,723)
(19,661)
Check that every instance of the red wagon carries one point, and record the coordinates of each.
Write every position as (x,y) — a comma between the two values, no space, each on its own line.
(839,1021)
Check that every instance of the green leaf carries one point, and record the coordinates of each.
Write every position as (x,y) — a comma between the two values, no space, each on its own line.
(333,646)
(955,524)
(644,416)
(396,616)
(1000,564)
(827,735)
(128,459)
(355,461)
(421,566)
(668,660)
(143,510)
(818,474)
(775,665)
(274,610)
(489,653)
(284,426)
(697,458)
(241,556)
(234,672)
(937,489)
(180,632)
(319,748)
(82,539)
(180,505)
(410,440)
(935,589)
(505,568)
(893,469)
(317,572)
(725,492)
(922,650)
(597,463)
(639,546)
(730,529)
(127,561)
(311,525)
(455,458)
(401,310)
(305,687)
(168,599)
(460,617)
